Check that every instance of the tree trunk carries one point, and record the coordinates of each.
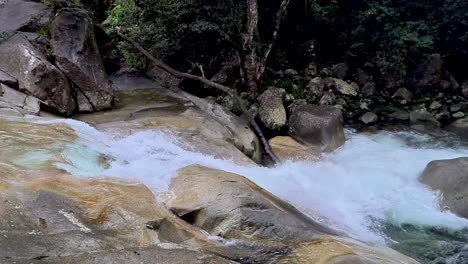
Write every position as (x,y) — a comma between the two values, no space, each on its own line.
(254,61)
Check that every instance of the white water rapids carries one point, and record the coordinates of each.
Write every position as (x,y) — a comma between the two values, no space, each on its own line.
(371,180)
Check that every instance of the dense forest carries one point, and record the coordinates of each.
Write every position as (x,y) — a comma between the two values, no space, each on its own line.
(378,46)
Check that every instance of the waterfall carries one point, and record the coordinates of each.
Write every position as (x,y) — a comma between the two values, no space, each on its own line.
(369,182)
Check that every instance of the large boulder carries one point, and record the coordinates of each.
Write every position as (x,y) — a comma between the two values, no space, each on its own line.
(345,88)
(450,177)
(369,118)
(428,74)
(272,111)
(77,55)
(314,90)
(36,76)
(21,15)
(340,70)
(403,96)
(236,208)
(423,121)
(460,128)
(321,126)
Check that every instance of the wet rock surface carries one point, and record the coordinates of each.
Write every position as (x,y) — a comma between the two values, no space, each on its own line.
(50,216)
(450,177)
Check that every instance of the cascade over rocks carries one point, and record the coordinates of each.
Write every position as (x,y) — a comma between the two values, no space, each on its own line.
(320,126)
(450,177)
(36,76)
(77,55)
(272,111)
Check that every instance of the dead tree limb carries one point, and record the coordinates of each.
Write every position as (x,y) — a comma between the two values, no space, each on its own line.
(207,82)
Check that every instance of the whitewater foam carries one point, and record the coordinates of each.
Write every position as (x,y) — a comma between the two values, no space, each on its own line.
(371,180)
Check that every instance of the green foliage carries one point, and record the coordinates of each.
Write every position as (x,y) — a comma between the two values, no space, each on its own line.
(297,90)
(180,31)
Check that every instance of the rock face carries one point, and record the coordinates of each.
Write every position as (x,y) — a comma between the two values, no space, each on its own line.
(35,75)
(272,111)
(451,178)
(7,79)
(18,14)
(460,128)
(236,208)
(321,126)
(286,148)
(18,101)
(429,73)
(77,55)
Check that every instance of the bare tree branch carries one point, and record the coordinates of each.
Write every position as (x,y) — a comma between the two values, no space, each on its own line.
(200,67)
(227,90)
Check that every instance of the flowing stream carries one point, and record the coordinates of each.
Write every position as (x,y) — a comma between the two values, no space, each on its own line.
(368,189)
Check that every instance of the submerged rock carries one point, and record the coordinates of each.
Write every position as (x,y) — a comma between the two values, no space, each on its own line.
(450,177)
(286,148)
(321,126)
(77,55)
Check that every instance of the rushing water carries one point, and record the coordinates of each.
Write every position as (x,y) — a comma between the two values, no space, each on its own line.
(368,189)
